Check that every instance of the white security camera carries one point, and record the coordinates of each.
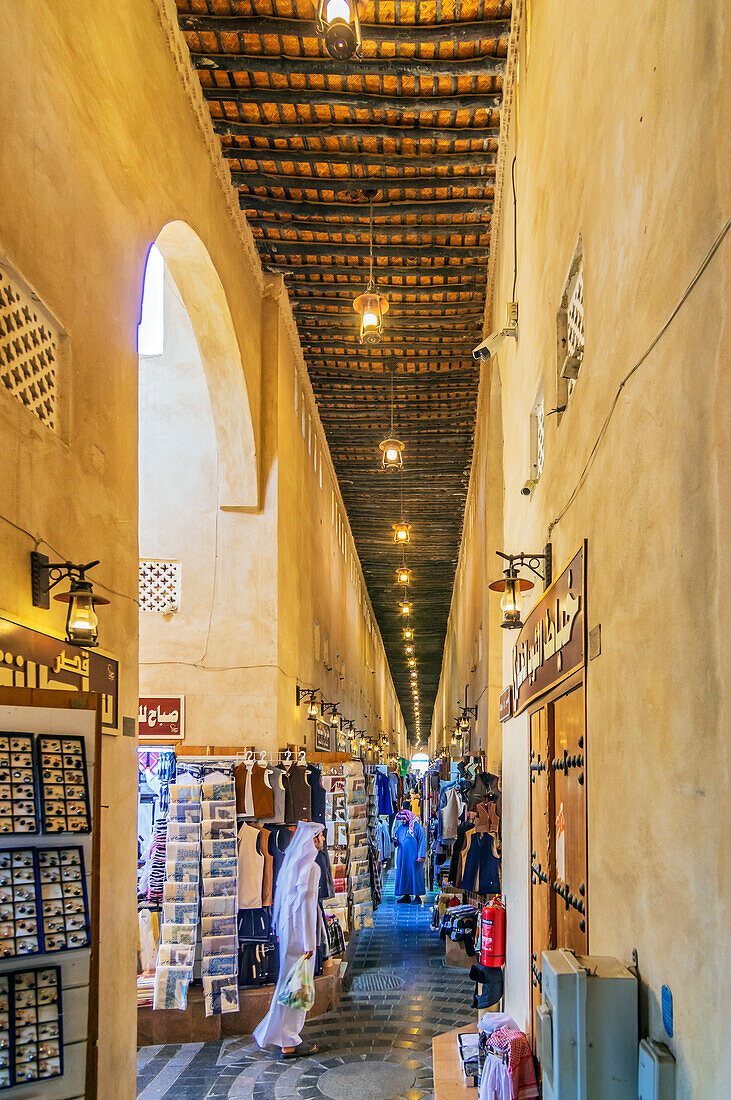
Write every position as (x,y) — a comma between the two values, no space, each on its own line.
(529,486)
(489,347)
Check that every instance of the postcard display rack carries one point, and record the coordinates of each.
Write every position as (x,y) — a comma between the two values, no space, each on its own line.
(48,995)
(345,805)
(200,892)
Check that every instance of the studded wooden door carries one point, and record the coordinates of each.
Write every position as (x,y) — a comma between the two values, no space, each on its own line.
(569,793)
(541,820)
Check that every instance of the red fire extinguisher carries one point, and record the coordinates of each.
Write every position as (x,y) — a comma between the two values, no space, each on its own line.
(492,933)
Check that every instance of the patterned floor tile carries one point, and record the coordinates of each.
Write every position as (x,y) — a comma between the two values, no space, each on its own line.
(400,995)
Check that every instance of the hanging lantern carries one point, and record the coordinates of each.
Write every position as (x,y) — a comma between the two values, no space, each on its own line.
(392,456)
(409,649)
(371,305)
(81,622)
(338,22)
(403,575)
(412,662)
(511,604)
(405,608)
(408,634)
(401,533)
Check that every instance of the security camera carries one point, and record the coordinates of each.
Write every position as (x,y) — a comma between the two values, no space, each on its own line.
(528,487)
(489,347)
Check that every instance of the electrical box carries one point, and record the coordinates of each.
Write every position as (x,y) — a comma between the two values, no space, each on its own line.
(656,1072)
(586,1028)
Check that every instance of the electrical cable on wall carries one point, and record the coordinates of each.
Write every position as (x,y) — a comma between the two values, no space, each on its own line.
(603,430)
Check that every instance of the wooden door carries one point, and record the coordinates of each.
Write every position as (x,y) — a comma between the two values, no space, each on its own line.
(542,875)
(569,826)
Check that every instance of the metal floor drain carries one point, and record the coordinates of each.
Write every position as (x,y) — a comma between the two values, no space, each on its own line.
(376,983)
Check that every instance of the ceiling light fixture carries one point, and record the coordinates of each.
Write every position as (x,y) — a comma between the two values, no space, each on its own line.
(338,22)
(391,448)
(403,575)
(408,634)
(371,305)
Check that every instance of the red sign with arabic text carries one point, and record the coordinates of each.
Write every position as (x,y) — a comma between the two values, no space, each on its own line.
(161,718)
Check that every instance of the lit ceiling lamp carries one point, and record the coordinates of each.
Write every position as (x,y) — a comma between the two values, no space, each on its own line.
(81,621)
(412,662)
(405,607)
(414,674)
(371,305)
(409,650)
(512,585)
(391,447)
(408,634)
(401,533)
(403,575)
(338,21)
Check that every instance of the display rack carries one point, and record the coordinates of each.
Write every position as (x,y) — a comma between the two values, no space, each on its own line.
(77,718)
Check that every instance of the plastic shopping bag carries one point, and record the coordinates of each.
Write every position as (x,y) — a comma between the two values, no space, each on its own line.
(298,990)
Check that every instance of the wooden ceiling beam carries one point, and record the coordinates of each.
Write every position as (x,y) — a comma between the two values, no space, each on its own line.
(274,131)
(378,161)
(355,273)
(335,210)
(358,101)
(331,322)
(282,64)
(483,30)
(423,233)
(332,249)
(335,184)
(470,296)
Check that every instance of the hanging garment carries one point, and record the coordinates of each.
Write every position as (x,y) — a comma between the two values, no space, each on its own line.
(393,782)
(244,799)
(521,1070)
(266,844)
(410,841)
(384,841)
(261,793)
(317,793)
(451,814)
(457,850)
(297,795)
(251,868)
(482,867)
(296,921)
(384,804)
(326,888)
(275,776)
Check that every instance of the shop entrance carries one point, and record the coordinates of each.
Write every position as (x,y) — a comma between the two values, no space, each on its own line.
(559,897)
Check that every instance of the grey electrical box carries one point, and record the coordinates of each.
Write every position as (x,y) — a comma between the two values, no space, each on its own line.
(656,1072)
(586,1028)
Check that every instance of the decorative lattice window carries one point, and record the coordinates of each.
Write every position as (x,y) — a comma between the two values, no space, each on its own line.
(537,435)
(570,330)
(159,585)
(29,342)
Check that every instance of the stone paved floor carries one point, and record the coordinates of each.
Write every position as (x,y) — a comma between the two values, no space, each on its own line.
(378,1041)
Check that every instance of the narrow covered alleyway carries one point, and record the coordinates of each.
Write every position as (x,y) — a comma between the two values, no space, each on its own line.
(375,1046)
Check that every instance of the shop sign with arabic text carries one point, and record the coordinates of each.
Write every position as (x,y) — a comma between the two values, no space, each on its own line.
(161,718)
(30,659)
(550,645)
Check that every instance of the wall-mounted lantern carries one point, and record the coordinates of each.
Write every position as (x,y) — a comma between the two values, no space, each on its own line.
(81,620)
(512,585)
(310,695)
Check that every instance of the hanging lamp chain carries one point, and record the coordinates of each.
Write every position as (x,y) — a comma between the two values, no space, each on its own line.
(371,244)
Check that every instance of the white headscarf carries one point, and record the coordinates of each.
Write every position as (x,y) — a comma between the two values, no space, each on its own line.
(294,874)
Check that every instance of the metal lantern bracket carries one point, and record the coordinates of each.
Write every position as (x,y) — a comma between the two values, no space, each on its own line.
(306,693)
(532,562)
(45,575)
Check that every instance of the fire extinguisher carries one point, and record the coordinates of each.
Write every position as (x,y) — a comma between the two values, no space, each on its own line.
(492,933)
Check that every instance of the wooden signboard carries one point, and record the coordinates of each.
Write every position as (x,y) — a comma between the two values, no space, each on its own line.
(551,644)
(29,659)
(322,736)
(506,704)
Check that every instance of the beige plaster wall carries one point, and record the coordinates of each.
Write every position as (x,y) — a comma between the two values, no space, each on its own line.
(320,577)
(101,148)
(642,175)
